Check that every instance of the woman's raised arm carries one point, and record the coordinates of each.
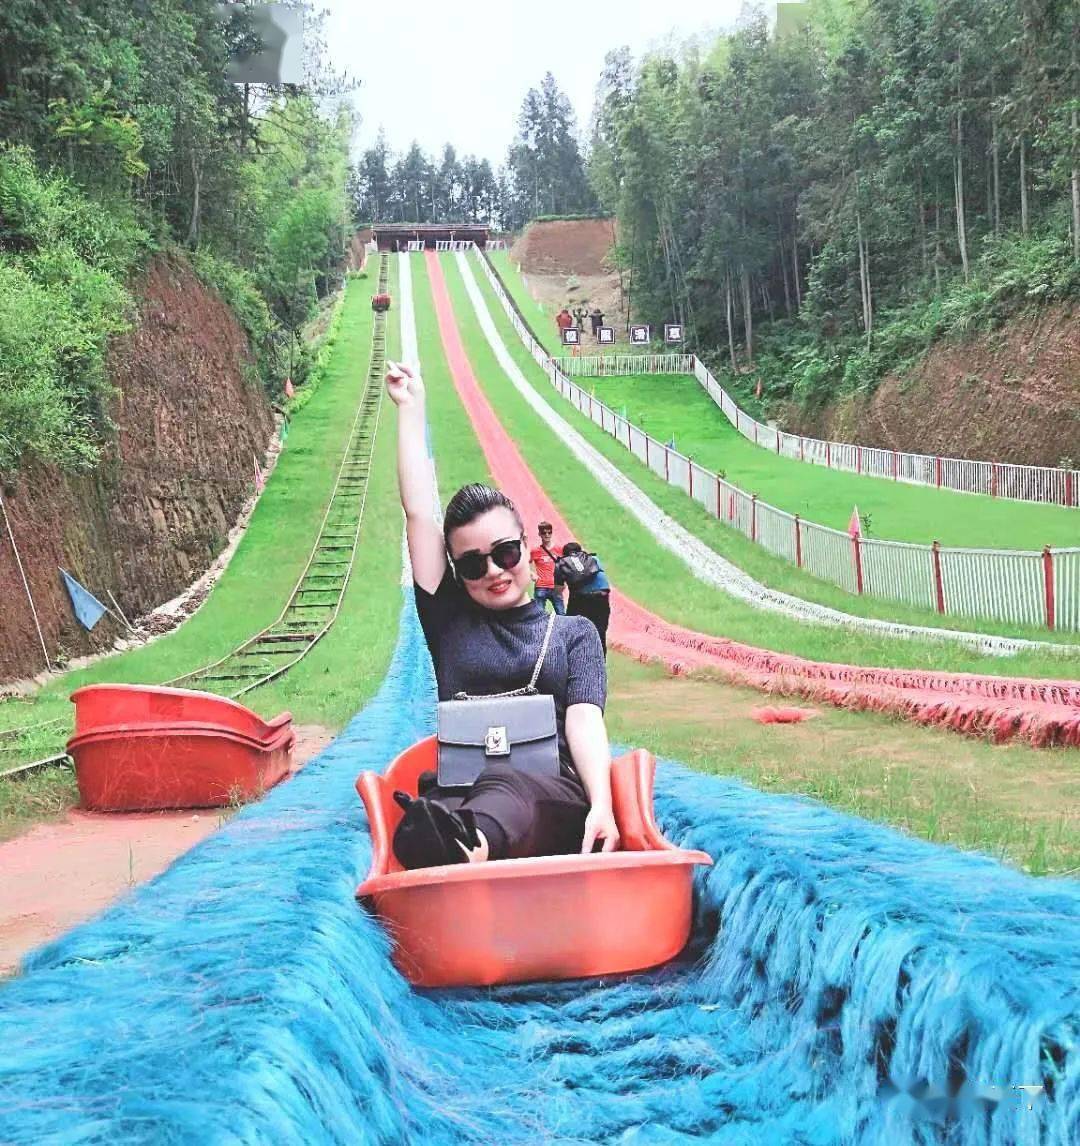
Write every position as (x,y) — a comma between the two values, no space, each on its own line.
(416,477)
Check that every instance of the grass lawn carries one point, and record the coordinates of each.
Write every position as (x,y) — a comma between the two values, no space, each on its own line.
(730,543)
(542,323)
(45,794)
(346,667)
(675,405)
(1018,804)
(1014,802)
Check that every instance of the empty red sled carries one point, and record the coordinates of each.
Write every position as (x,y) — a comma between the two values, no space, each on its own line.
(144,705)
(549,917)
(122,769)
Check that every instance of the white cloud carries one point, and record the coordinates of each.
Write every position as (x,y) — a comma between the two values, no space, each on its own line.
(439,73)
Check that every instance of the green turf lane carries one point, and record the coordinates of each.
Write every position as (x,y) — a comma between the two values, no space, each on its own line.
(660,580)
(346,667)
(542,323)
(458,456)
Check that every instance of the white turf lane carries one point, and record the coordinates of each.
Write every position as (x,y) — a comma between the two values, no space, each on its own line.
(703,562)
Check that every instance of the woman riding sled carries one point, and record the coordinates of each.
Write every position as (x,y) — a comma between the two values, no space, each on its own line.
(488,637)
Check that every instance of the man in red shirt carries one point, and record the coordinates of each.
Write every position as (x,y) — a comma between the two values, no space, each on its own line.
(564,320)
(543,559)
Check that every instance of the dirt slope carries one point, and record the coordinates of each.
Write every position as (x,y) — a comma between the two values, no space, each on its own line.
(1011,396)
(190,418)
(552,255)
(565,247)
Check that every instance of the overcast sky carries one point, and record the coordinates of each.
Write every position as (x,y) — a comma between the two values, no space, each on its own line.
(439,72)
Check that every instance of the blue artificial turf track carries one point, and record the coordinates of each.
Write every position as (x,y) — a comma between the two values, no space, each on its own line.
(837,968)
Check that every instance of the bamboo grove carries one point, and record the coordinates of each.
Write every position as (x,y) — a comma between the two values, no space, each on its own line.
(820,203)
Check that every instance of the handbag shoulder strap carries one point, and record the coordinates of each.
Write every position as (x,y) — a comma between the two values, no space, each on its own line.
(531,686)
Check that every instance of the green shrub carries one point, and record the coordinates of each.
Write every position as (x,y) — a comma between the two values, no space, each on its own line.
(42,211)
(310,367)
(238,290)
(63,259)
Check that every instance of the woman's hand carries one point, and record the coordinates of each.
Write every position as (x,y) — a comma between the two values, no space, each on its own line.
(404,384)
(600,825)
(587,737)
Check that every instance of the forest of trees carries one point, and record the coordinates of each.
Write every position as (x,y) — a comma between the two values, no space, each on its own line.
(544,174)
(120,135)
(821,205)
(816,207)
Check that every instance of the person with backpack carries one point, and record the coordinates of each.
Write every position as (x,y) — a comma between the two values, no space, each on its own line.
(544,558)
(590,589)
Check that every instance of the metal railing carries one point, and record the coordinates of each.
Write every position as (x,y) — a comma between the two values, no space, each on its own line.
(601,365)
(1039,589)
(1044,484)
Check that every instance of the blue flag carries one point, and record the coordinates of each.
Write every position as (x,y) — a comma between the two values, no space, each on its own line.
(87,607)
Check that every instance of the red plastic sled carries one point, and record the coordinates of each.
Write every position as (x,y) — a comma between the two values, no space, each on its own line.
(143,705)
(141,748)
(549,917)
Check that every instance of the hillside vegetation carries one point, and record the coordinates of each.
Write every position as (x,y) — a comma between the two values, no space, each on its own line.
(122,136)
(820,206)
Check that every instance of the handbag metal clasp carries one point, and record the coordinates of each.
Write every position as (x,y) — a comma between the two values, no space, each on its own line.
(496,742)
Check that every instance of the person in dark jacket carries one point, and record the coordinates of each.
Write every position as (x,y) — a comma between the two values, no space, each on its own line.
(485,634)
(590,589)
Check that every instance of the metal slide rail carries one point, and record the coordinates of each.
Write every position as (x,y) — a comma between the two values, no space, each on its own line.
(316,599)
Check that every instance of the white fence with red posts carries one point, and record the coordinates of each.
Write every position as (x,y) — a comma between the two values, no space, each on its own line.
(1011,587)
(1044,484)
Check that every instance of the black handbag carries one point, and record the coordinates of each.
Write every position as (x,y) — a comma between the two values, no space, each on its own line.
(517,728)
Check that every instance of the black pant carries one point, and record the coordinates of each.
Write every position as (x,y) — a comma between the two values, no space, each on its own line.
(595,606)
(522,815)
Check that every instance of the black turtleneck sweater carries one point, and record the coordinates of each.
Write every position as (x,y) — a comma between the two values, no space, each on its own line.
(481,651)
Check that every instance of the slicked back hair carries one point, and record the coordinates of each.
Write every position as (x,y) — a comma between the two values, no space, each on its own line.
(470,502)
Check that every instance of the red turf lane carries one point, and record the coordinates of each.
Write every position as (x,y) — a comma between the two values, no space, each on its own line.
(508,467)
(1041,712)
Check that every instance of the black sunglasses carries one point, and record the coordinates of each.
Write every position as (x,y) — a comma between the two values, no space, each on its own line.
(473,566)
